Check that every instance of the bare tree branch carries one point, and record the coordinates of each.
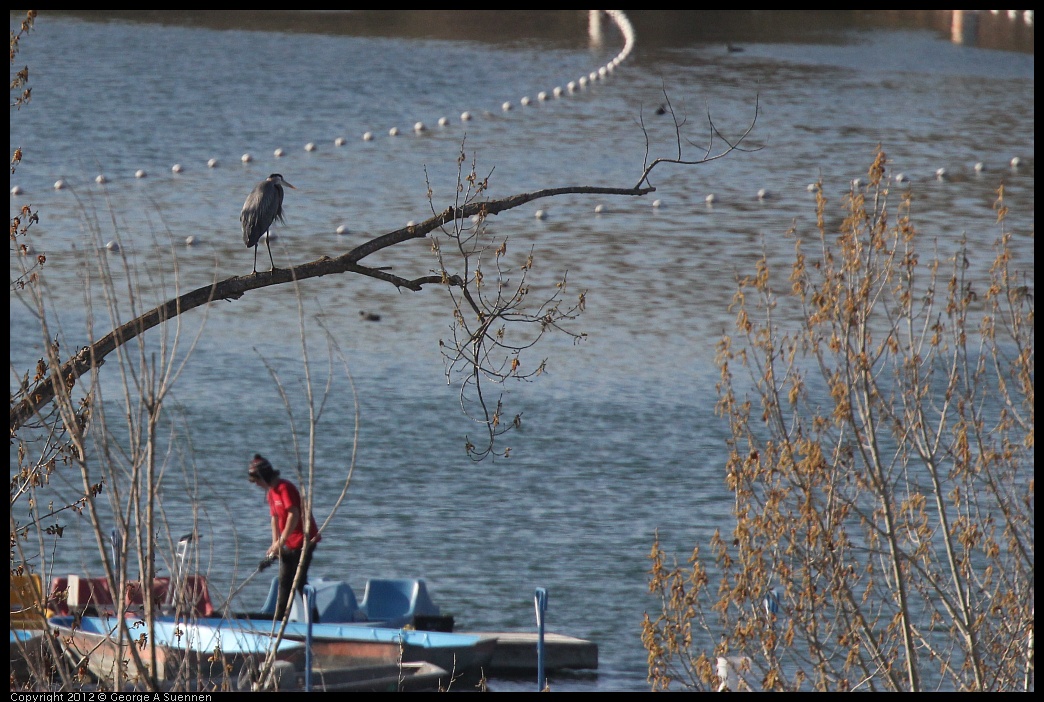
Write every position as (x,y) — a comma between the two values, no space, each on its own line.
(708,154)
(42,391)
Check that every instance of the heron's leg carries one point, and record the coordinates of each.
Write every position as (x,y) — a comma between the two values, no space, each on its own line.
(255,259)
(269,250)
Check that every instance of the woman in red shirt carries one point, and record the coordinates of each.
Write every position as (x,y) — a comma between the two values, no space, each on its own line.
(288,538)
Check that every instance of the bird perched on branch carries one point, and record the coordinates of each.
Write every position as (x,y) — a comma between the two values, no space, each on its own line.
(263,206)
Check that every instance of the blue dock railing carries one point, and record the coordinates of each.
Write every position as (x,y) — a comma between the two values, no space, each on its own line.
(540,602)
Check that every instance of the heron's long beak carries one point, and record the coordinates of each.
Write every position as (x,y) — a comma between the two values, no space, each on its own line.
(288,185)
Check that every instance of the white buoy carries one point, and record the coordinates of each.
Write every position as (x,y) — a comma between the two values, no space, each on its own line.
(940,173)
(602,71)
(310,146)
(16,190)
(557,92)
(540,214)
(411,223)
(599,209)
(811,187)
(112,246)
(980,167)
(571,86)
(506,106)
(1015,162)
(592,76)
(140,173)
(657,203)
(443,121)
(582,82)
(419,127)
(212,163)
(367,136)
(541,96)
(525,100)
(339,141)
(59,184)
(246,158)
(342,230)
(101,179)
(191,241)
(278,153)
(901,178)
(176,168)
(856,182)
(763,194)
(394,131)
(465,116)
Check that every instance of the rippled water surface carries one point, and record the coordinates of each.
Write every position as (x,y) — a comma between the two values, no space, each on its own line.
(619,437)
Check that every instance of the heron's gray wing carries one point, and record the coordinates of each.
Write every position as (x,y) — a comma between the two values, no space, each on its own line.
(258,212)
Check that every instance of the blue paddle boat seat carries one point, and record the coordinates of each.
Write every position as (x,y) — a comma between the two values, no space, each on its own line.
(335,602)
(273,595)
(387,602)
(396,601)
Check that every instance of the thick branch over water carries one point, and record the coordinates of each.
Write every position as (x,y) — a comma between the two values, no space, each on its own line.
(93,356)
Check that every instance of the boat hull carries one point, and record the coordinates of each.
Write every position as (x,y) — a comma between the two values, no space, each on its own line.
(469,656)
(351,645)
(185,656)
(332,643)
(30,656)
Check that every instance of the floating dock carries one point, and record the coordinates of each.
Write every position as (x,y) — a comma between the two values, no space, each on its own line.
(516,652)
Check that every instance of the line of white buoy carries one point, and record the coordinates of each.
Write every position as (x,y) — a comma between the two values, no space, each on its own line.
(420,128)
(595,18)
(622,23)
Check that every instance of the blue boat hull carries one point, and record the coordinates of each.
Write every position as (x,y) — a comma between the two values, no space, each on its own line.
(193,655)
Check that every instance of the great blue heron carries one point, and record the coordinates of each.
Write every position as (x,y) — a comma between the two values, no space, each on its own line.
(263,206)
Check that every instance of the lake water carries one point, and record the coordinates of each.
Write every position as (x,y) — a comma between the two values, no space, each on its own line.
(619,436)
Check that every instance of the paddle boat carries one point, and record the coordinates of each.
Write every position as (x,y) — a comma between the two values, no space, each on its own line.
(395,622)
(84,596)
(191,655)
